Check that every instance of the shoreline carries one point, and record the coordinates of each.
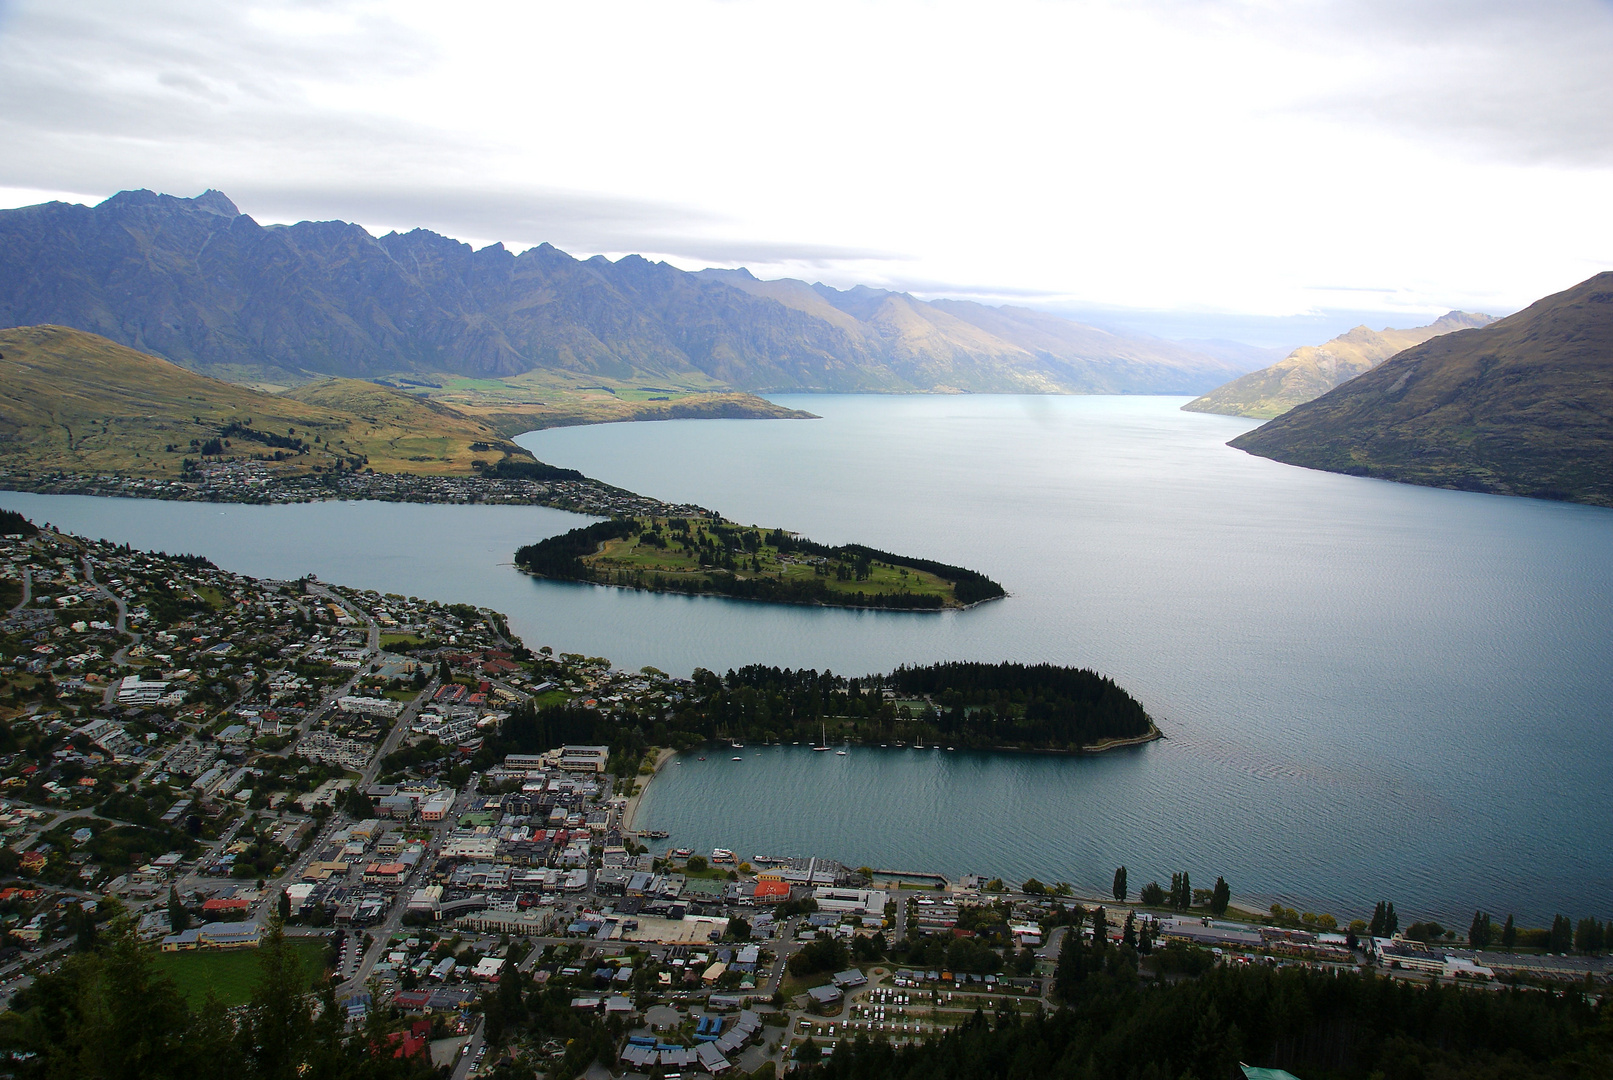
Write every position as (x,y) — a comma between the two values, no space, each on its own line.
(942,610)
(630,811)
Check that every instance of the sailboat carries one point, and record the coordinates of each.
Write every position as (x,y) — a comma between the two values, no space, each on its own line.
(823,739)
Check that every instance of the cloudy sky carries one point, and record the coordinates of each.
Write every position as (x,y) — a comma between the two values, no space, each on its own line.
(1202,165)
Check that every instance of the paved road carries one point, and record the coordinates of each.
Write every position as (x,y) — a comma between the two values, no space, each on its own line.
(27,590)
(466,1060)
(110,695)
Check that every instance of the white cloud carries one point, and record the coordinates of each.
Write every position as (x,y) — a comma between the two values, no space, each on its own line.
(1247,157)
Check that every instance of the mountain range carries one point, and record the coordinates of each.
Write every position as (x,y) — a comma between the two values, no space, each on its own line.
(1312,370)
(207,287)
(1523,406)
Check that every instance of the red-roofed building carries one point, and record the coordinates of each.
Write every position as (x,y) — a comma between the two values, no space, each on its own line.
(771,892)
(411,1043)
(233,905)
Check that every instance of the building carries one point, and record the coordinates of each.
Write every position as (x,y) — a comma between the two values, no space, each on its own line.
(435,808)
(533,922)
(771,892)
(854,901)
(370,706)
(132,690)
(584,758)
(826,998)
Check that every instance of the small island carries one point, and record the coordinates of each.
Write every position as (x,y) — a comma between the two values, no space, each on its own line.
(709,556)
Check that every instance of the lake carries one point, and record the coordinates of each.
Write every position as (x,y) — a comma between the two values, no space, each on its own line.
(1370,690)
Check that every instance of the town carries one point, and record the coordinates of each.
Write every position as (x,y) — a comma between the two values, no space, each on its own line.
(247,481)
(375,778)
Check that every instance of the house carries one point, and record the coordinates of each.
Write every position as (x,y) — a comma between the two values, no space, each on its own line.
(826,998)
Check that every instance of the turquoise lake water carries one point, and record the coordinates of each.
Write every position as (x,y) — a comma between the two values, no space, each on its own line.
(1370,690)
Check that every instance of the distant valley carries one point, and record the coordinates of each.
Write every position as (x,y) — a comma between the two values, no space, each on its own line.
(200,284)
(1312,370)
(1523,406)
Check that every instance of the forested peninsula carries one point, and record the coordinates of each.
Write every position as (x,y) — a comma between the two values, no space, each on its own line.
(704,556)
(965,706)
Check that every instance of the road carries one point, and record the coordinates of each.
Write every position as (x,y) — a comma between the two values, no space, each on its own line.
(110,695)
(27,590)
(468,1059)
(383,931)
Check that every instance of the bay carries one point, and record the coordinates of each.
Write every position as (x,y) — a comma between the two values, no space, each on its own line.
(1370,690)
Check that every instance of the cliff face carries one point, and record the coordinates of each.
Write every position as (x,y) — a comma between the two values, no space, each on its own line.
(199,283)
(1521,407)
(1312,370)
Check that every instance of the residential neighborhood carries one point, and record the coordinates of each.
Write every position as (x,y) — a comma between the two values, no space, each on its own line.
(370,776)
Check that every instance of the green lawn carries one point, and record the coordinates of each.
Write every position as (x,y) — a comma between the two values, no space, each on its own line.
(675,561)
(231,973)
(390,640)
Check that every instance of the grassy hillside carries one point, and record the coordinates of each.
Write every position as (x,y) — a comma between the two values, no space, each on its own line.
(544,398)
(1312,370)
(1521,407)
(80,403)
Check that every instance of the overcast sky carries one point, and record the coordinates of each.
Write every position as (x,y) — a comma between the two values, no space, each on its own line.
(1252,160)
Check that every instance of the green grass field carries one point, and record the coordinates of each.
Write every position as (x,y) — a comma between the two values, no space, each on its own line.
(230,974)
(676,561)
(390,640)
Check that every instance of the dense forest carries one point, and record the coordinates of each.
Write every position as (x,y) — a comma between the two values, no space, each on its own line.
(1113,1026)
(14,524)
(748,563)
(1041,707)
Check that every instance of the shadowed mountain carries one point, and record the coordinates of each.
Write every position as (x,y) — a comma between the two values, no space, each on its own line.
(1521,407)
(1312,370)
(207,287)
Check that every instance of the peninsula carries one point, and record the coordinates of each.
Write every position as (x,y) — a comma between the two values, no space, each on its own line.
(704,556)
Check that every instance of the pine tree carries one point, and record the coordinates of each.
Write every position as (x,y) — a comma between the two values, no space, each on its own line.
(1509,934)
(1562,934)
(1120,885)
(1221,899)
(1185,901)
(178,917)
(1478,934)
(1588,936)
(1100,929)
(1391,921)
(279,1020)
(1129,936)
(1071,969)
(1380,919)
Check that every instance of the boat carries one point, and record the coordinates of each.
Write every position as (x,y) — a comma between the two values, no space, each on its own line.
(698,759)
(738,759)
(683,852)
(721,854)
(823,741)
(840,753)
(737,745)
(654,834)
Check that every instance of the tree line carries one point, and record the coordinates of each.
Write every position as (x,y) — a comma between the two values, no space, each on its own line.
(730,548)
(108,1013)
(1115,1025)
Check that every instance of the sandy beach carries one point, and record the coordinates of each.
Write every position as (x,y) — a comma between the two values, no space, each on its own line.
(630,811)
